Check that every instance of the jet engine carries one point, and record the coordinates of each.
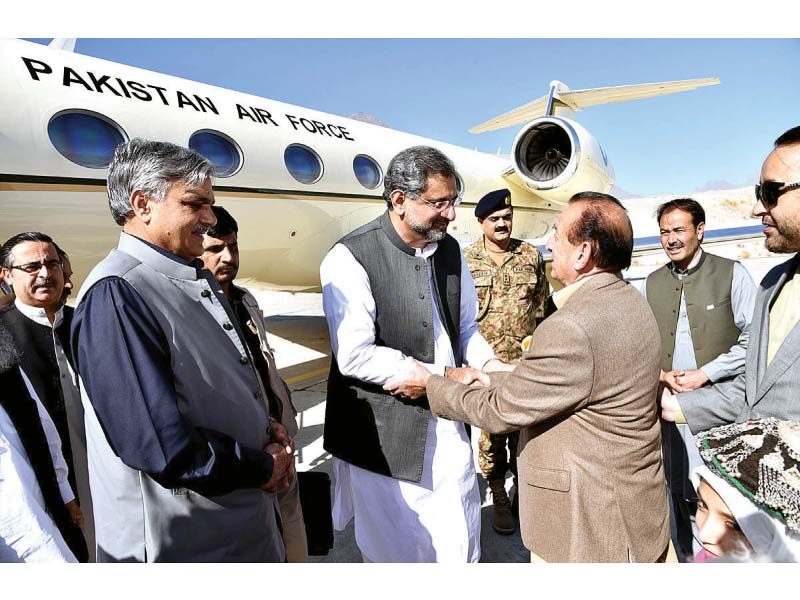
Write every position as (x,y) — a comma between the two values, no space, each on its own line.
(556,158)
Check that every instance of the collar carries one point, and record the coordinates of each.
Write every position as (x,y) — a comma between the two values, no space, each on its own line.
(394,237)
(561,296)
(427,251)
(696,263)
(237,293)
(38,315)
(514,247)
(159,259)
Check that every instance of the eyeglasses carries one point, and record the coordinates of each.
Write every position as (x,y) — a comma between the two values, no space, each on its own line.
(439,205)
(35,267)
(768,192)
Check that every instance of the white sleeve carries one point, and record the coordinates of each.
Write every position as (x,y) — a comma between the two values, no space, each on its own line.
(350,312)
(54,444)
(743,299)
(474,348)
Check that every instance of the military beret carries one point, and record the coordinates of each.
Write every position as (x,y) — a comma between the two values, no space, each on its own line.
(493,201)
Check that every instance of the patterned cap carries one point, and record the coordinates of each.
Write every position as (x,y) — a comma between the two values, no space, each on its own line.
(493,201)
(762,460)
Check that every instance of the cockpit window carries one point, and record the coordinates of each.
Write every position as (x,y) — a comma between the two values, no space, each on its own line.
(85,138)
(303,163)
(367,171)
(220,150)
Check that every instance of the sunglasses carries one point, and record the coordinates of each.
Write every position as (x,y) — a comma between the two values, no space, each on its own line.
(768,192)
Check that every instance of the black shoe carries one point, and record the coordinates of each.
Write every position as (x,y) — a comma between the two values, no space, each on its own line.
(502,519)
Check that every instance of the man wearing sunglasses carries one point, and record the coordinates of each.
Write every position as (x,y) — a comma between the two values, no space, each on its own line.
(771,380)
(397,291)
(39,323)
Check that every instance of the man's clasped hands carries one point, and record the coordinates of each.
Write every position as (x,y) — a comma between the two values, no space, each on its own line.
(411,383)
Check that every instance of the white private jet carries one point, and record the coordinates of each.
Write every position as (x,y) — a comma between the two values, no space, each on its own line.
(296,179)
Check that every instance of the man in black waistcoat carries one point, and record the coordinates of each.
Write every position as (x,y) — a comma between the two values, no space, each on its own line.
(397,291)
(39,323)
(26,534)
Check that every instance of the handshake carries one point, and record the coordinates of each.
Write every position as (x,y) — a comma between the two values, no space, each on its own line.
(413,382)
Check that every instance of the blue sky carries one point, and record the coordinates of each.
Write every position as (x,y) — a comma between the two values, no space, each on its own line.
(439,88)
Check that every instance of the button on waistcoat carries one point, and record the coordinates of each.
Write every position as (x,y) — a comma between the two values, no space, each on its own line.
(707,291)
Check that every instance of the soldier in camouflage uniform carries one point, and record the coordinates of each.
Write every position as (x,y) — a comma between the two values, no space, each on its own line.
(512,287)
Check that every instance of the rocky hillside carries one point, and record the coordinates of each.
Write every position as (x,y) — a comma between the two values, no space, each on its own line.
(724,208)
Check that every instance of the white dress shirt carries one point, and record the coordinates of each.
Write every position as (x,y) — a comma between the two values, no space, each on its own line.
(67,377)
(27,532)
(437,519)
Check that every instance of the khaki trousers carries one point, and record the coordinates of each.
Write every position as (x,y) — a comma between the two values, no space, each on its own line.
(294,529)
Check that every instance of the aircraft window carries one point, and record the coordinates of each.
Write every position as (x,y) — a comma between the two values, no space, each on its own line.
(303,163)
(86,138)
(219,149)
(367,171)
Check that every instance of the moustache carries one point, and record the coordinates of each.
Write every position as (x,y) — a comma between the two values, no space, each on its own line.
(42,282)
(769,222)
(201,229)
(501,229)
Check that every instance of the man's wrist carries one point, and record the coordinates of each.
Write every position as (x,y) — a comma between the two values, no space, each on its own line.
(257,467)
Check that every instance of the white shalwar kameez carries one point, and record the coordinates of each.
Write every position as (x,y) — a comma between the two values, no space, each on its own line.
(437,519)
(27,532)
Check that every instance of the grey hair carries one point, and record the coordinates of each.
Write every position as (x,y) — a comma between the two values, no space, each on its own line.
(409,171)
(151,167)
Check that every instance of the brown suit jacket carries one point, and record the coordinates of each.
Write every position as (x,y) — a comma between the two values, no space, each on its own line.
(584,395)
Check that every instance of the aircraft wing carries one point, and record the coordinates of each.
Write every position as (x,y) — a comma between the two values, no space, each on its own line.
(577,99)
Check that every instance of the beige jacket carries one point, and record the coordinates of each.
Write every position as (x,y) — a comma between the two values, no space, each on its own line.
(584,396)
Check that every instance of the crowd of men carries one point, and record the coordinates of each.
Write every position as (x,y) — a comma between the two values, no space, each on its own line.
(150,422)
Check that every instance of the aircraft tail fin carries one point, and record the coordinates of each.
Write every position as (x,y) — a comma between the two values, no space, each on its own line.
(66,44)
(562,97)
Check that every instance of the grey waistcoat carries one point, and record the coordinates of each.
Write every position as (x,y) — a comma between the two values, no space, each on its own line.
(135,518)
(364,425)
(708,284)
